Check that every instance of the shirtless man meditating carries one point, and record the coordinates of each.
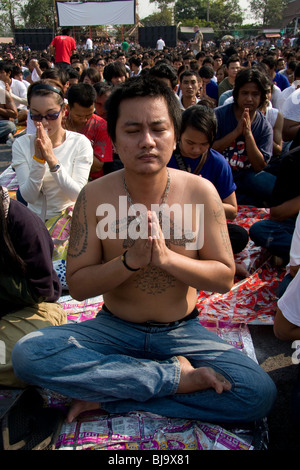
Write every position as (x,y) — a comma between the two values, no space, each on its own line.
(146,349)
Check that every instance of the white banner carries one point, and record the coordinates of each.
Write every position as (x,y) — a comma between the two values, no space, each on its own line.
(96,13)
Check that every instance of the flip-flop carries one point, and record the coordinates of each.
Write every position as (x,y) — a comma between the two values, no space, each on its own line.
(27,425)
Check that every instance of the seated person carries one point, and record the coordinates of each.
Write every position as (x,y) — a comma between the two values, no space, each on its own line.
(8,114)
(287,328)
(278,78)
(103,91)
(287,318)
(291,113)
(53,165)
(166,73)
(232,68)
(90,75)
(147,355)
(16,89)
(190,83)
(195,155)
(275,118)
(245,138)
(276,234)
(81,118)
(29,286)
(209,86)
(115,73)
(294,263)
(294,86)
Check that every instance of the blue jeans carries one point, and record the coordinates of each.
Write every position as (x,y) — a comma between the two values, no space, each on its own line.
(275,236)
(6,128)
(127,366)
(254,188)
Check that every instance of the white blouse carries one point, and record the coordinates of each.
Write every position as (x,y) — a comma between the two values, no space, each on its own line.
(48,193)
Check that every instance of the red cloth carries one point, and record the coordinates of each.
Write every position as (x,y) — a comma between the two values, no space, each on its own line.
(96,131)
(63,48)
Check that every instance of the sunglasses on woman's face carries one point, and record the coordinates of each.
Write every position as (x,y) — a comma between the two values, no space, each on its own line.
(48,117)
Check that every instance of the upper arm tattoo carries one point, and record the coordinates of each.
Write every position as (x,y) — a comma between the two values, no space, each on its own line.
(221,220)
(79,227)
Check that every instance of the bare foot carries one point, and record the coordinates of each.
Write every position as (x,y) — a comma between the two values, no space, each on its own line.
(241,270)
(194,380)
(78,407)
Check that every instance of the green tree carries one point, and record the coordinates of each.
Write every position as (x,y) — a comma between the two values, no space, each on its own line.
(164,17)
(190,9)
(268,12)
(226,14)
(11,14)
(38,13)
(223,15)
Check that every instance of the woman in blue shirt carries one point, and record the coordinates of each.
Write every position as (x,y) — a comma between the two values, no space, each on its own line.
(194,154)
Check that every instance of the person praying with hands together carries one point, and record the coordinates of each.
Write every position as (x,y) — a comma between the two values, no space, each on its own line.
(245,138)
(53,165)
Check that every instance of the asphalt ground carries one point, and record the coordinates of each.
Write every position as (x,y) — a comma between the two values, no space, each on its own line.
(274,356)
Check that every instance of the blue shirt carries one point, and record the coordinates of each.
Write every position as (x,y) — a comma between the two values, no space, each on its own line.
(216,169)
(236,152)
(212,90)
(281,81)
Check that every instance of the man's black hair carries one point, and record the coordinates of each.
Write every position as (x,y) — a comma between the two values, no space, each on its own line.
(206,72)
(83,94)
(114,69)
(251,75)
(163,70)
(188,73)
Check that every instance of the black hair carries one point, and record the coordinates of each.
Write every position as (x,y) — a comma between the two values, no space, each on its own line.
(92,73)
(46,87)
(233,58)
(6,66)
(189,73)
(297,72)
(270,61)
(55,73)
(102,88)
(251,75)
(163,70)
(202,118)
(114,69)
(140,87)
(83,94)
(206,72)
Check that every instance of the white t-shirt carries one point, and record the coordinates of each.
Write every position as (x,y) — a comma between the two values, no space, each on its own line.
(89,44)
(289,303)
(291,106)
(295,245)
(60,189)
(19,93)
(160,44)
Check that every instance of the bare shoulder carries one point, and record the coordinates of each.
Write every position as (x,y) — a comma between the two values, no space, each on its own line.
(84,219)
(194,186)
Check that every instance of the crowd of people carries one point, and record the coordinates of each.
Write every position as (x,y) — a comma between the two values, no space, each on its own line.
(145,124)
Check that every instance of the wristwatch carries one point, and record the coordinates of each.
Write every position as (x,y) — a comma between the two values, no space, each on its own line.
(55,168)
